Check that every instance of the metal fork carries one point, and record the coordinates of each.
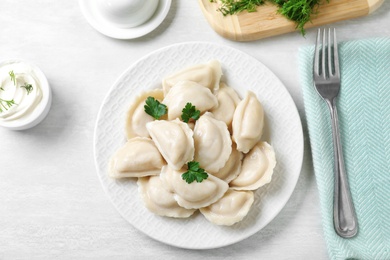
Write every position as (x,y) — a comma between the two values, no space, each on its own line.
(326,73)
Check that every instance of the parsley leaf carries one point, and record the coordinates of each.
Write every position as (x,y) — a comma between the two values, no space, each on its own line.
(194,173)
(154,108)
(188,112)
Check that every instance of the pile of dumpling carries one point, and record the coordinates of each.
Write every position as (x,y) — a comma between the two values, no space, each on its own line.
(225,140)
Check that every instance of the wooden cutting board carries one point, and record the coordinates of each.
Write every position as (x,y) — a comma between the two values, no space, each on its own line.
(266,22)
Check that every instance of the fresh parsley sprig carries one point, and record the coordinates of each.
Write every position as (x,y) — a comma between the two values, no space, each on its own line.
(28,87)
(194,173)
(188,112)
(12,75)
(154,108)
(6,104)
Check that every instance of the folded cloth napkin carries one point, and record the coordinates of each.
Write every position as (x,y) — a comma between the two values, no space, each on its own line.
(364,116)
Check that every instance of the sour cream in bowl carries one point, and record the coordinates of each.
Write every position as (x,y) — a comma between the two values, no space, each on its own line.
(127,13)
(25,95)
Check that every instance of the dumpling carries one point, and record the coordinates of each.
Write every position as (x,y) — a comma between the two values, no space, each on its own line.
(257,168)
(248,122)
(137,158)
(174,140)
(137,118)
(158,200)
(188,91)
(227,103)
(230,209)
(213,144)
(207,75)
(196,194)
(232,167)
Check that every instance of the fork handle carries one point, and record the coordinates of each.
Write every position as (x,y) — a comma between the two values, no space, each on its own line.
(344,216)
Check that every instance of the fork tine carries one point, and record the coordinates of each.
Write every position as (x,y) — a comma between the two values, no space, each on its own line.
(330,61)
(317,54)
(323,70)
(335,54)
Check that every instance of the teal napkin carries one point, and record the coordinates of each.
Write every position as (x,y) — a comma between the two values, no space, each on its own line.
(364,115)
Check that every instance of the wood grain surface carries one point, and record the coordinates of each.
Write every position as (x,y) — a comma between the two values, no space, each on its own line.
(267,22)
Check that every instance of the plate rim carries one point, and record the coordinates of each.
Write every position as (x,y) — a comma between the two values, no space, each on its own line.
(300,136)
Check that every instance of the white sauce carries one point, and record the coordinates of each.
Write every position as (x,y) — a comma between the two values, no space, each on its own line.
(25,103)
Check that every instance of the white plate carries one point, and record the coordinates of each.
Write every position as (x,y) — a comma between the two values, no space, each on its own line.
(97,21)
(283,131)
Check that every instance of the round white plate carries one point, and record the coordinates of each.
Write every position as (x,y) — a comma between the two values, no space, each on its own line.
(283,131)
(97,21)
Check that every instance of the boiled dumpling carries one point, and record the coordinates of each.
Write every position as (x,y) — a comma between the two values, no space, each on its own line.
(158,200)
(196,194)
(188,91)
(137,158)
(213,144)
(227,103)
(207,75)
(137,118)
(230,209)
(257,168)
(232,167)
(248,122)
(174,139)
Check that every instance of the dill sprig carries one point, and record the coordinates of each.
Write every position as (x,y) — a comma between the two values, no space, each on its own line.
(6,104)
(299,11)
(234,6)
(12,75)
(28,87)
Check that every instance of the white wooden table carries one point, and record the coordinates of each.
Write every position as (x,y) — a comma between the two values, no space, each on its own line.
(51,203)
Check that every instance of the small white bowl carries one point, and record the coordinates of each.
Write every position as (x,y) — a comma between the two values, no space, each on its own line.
(94,17)
(127,13)
(41,110)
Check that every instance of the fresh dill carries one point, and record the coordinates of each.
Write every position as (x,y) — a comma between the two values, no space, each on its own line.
(28,87)
(229,7)
(12,75)
(298,11)
(6,104)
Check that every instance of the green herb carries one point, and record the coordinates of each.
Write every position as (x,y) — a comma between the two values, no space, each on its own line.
(12,75)
(194,173)
(5,104)
(299,11)
(236,6)
(28,87)
(188,112)
(154,108)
